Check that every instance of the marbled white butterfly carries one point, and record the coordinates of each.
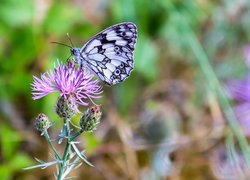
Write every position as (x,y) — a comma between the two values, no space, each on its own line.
(109,54)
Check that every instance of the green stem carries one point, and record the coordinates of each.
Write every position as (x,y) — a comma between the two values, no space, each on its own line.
(51,145)
(73,136)
(66,151)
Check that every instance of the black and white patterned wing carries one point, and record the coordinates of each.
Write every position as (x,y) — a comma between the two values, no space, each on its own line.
(110,53)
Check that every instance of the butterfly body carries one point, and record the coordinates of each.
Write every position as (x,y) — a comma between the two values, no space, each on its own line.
(109,54)
(79,57)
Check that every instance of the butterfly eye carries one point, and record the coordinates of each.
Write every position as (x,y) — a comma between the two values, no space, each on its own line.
(123,33)
(117,50)
(106,60)
(117,72)
(122,65)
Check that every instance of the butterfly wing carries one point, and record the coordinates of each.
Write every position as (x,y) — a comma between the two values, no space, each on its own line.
(110,53)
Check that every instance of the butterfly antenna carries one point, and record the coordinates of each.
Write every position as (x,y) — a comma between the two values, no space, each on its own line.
(68,59)
(70,40)
(62,44)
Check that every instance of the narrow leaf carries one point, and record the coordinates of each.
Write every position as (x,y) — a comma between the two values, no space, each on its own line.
(82,156)
(42,166)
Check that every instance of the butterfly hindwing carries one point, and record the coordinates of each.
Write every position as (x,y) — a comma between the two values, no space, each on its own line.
(109,54)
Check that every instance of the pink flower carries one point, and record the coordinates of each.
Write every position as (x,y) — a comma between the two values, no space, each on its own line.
(69,81)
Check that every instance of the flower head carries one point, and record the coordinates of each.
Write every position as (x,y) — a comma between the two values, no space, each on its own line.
(42,122)
(91,119)
(69,81)
(66,107)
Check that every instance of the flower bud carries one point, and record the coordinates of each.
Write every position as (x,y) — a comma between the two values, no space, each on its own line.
(66,107)
(91,118)
(42,122)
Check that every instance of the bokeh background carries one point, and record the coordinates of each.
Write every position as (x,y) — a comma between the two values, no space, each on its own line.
(171,119)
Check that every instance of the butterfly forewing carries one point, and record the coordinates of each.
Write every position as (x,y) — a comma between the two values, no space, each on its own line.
(109,54)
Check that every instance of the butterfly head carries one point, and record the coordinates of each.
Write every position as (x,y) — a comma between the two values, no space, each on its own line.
(75,52)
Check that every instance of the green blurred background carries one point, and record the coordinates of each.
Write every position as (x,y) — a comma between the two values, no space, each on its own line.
(163,122)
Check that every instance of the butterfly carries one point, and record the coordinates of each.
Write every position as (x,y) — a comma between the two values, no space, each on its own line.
(109,54)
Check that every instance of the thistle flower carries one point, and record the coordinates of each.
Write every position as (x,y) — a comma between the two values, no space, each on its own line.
(69,81)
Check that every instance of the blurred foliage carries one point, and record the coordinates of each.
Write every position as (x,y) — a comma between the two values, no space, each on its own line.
(163,121)
(12,160)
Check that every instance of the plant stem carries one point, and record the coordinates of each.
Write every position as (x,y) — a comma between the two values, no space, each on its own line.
(66,151)
(73,136)
(51,145)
